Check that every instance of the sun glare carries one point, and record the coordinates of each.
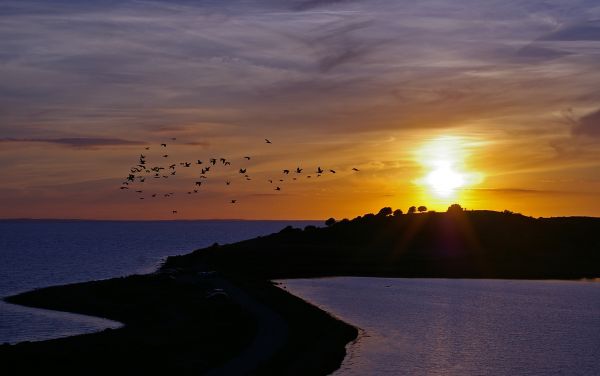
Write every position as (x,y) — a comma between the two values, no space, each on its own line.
(444,161)
(444,180)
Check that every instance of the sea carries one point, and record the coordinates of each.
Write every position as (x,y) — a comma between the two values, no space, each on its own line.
(41,253)
(463,326)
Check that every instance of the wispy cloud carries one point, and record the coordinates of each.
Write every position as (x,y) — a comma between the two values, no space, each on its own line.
(77,142)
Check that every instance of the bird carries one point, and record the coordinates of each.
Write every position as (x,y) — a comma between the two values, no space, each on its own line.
(142,180)
(195,191)
(227,182)
(267,141)
(278,189)
(141,198)
(213,161)
(165,156)
(173,173)
(242,170)
(270,181)
(124,187)
(187,164)
(223,160)
(163,145)
(286,171)
(199,162)
(248,158)
(332,171)
(154,195)
(198,183)
(172,166)
(298,170)
(174,211)
(139,191)
(202,177)
(319,170)
(355,169)
(147,148)
(227,163)
(233,201)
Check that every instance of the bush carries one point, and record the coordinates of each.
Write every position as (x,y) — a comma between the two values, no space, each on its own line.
(412,210)
(330,222)
(422,209)
(397,213)
(385,211)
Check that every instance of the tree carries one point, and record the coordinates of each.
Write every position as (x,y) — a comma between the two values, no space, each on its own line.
(422,209)
(412,210)
(330,222)
(397,212)
(455,208)
(385,211)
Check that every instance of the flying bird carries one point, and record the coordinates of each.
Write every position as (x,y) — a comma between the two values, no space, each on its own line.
(173,138)
(286,171)
(332,171)
(199,162)
(233,201)
(298,170)
(174,211)
(163,145)
(267,141)
(242,170)
(213,161)
(147,147)
(227,182)
(278,189)
(319,170)
(248,158)
(355,169)
(198,183)
(165,156)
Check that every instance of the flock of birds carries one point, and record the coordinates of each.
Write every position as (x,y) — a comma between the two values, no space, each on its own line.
(140,174)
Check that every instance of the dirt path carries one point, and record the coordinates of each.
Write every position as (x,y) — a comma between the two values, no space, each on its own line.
(271,333)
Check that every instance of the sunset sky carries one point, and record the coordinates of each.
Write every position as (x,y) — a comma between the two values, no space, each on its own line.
(490,104)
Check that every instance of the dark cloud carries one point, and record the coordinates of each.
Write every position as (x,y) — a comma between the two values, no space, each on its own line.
(587,31)
(310,4)
(78,142)
(588,125)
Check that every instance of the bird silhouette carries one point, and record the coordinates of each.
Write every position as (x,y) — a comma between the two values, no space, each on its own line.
(319,170)
(147,148)
(199,162)
(163,145)
(227,163)
(286,171)
(248,158)
(270,181)
(198,183)
(124,187)
(242,170)
(187,164)
(228,183)
(223,160)
(233,201)
(154,195)
(267,141)
(298,170)
(165,156)
(173,173)
(174,211)
(213,161)
(355,169)
(172,166)
(332,171)
(278,189)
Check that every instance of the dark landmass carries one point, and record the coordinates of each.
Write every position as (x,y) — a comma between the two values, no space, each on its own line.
(456,244)
(184,320)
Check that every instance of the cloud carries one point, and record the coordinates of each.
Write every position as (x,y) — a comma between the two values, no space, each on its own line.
(588,125)
(77,142)
(588,31)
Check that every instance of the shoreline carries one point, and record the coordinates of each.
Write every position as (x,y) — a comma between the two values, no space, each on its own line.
(315,343)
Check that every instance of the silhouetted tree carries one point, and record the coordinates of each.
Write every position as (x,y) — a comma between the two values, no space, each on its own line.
(385,211)
(412,210)
(422,209)
(455,208)
(397,212)
(330,222)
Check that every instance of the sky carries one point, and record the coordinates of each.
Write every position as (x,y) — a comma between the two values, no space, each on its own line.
(489,104)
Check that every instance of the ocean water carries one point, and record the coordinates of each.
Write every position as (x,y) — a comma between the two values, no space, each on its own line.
(463,327)
(42,253)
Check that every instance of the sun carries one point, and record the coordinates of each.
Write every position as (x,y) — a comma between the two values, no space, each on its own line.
(444,161)
(444,180)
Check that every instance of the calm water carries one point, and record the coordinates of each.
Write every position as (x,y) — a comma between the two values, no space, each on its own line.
(36,254)
(463,327)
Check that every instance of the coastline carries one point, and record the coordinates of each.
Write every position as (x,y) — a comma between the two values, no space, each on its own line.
(167,316)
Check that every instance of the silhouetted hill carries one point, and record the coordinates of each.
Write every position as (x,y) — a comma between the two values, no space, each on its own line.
(467,244)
